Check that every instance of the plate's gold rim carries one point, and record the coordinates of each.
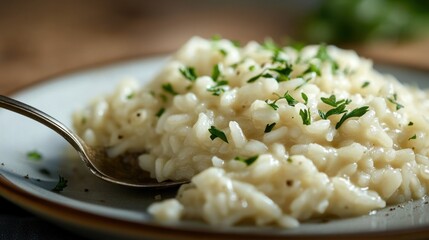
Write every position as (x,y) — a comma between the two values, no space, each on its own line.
(81,219)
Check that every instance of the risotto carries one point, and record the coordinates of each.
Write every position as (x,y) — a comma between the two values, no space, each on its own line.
(268,135)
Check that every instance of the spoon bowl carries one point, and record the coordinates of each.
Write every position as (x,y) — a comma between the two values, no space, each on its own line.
(122,170)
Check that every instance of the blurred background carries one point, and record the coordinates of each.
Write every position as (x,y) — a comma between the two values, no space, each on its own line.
(44,38)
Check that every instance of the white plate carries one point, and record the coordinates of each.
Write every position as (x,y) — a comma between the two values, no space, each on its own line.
(104,209)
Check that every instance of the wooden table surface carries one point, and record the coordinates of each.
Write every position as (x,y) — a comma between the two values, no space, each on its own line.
(40,39)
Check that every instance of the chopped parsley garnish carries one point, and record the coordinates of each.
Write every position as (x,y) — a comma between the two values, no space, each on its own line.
(276,58)
(216,37)
(394,101)
(273,104)
(339,106)
(62,183)
(332,101)
(413,137)
(216,133)
(218,89)
(306,116)
(410,123)
(302,84)
(160,112)
(358,112)
(262,74)
(304,97)
(130,96)
(251,68)
(34,155)
(312,68)
(269,127)
(247,161)
(365,84)
(290,100)
(338,110)
(269,44)
(215,72)
(322,54)
(283,74)
(169,88)
(223,52)
(298,46)
(189,73)
(236,43)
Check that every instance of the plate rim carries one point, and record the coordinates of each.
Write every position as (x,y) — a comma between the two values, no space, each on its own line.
(53,211)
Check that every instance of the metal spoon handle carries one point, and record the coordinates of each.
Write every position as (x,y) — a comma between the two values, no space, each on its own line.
(41,117)
(94,158)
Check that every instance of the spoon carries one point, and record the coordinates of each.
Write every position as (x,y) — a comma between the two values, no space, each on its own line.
(122,170)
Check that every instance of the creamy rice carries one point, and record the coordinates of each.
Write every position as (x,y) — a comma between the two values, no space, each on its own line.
(268,136)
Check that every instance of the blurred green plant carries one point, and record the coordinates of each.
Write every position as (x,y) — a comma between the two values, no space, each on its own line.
(365,20)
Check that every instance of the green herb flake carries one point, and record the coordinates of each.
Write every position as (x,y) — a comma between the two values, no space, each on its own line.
(290,100)
(365,84)
(34,155)
(248,161)
(216,133)
(304,97)
(305,116)
(223,52)
(272,104)
(323,55)
(283,72)
(302,84)
(169,88)
(338,110)
(394,101)
(277,59)
(218,89)
(313,68)
(62,183)
(269,127)
(215,72)
(189,73)
(289,160)
(160,112)
(269,44)
(413,137)
(298,46)
(254,78)
(216,37)
(236,43)
(262,74)
(339,106)
(130,96)
(410,123)
(358,112)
